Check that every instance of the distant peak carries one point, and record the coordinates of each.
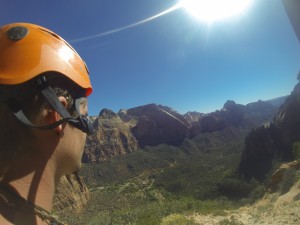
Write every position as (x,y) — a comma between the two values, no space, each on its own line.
(229,104)
(107,112)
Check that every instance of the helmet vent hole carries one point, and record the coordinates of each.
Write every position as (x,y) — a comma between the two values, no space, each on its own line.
(17,33)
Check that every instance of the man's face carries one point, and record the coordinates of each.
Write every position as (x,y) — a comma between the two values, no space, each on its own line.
(74,141)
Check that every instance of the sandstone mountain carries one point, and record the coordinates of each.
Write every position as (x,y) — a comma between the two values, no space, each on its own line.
(156,124)
(112,137)
(234,115)
(71,195)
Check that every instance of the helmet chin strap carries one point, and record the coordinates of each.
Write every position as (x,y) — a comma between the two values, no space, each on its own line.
(82,122)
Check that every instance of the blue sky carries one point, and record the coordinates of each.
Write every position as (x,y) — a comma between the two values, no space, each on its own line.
(174,59)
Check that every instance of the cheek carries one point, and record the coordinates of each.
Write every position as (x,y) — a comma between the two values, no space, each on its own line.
(77,151)
(81,138)
(77,142)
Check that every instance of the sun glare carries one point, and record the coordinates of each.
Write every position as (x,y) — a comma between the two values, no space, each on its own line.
(212,10)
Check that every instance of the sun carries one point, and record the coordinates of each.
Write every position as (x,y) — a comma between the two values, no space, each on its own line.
(213,10)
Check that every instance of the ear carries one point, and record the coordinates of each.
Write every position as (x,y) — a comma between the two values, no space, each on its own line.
(56,117)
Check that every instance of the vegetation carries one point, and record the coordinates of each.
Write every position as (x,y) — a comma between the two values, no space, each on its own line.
(164,184)
(177,219)
(296,150)
(230,222)
(288,179)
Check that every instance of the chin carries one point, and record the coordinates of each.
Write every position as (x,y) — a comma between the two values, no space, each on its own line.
(77,167)
(73,169)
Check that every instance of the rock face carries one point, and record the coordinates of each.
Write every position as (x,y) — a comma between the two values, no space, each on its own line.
(288,120)
(118,134)
(71,195)
(275,142)
(278,174)
(112,137)
(193,117)
(157,124)
(234,115)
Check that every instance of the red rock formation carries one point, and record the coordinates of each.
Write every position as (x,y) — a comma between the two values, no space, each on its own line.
(158,124)
(71,195)
(152,124)
(112,138)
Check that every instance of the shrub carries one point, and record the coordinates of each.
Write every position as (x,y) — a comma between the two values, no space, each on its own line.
(288,179)
(234,188)
(177,219)
(296,150)
(230,222)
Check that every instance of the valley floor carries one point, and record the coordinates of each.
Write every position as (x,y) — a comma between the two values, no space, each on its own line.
(273,209)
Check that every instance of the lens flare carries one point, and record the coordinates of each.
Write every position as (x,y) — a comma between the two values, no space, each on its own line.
(213,10)
(205,10)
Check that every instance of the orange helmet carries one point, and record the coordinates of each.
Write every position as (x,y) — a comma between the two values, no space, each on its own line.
(28,50)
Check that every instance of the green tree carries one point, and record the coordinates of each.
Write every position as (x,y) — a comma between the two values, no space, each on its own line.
(177,219)
(296,149)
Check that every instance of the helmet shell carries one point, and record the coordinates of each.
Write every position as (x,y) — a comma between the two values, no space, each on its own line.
(28,50)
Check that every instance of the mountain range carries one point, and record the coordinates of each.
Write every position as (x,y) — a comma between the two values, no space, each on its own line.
(271,128)
(150,125)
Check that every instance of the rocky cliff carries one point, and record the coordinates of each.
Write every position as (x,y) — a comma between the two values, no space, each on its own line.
(275,142)
(112,137)
(118,134)
(234,115)
(71,195)
(157,124)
